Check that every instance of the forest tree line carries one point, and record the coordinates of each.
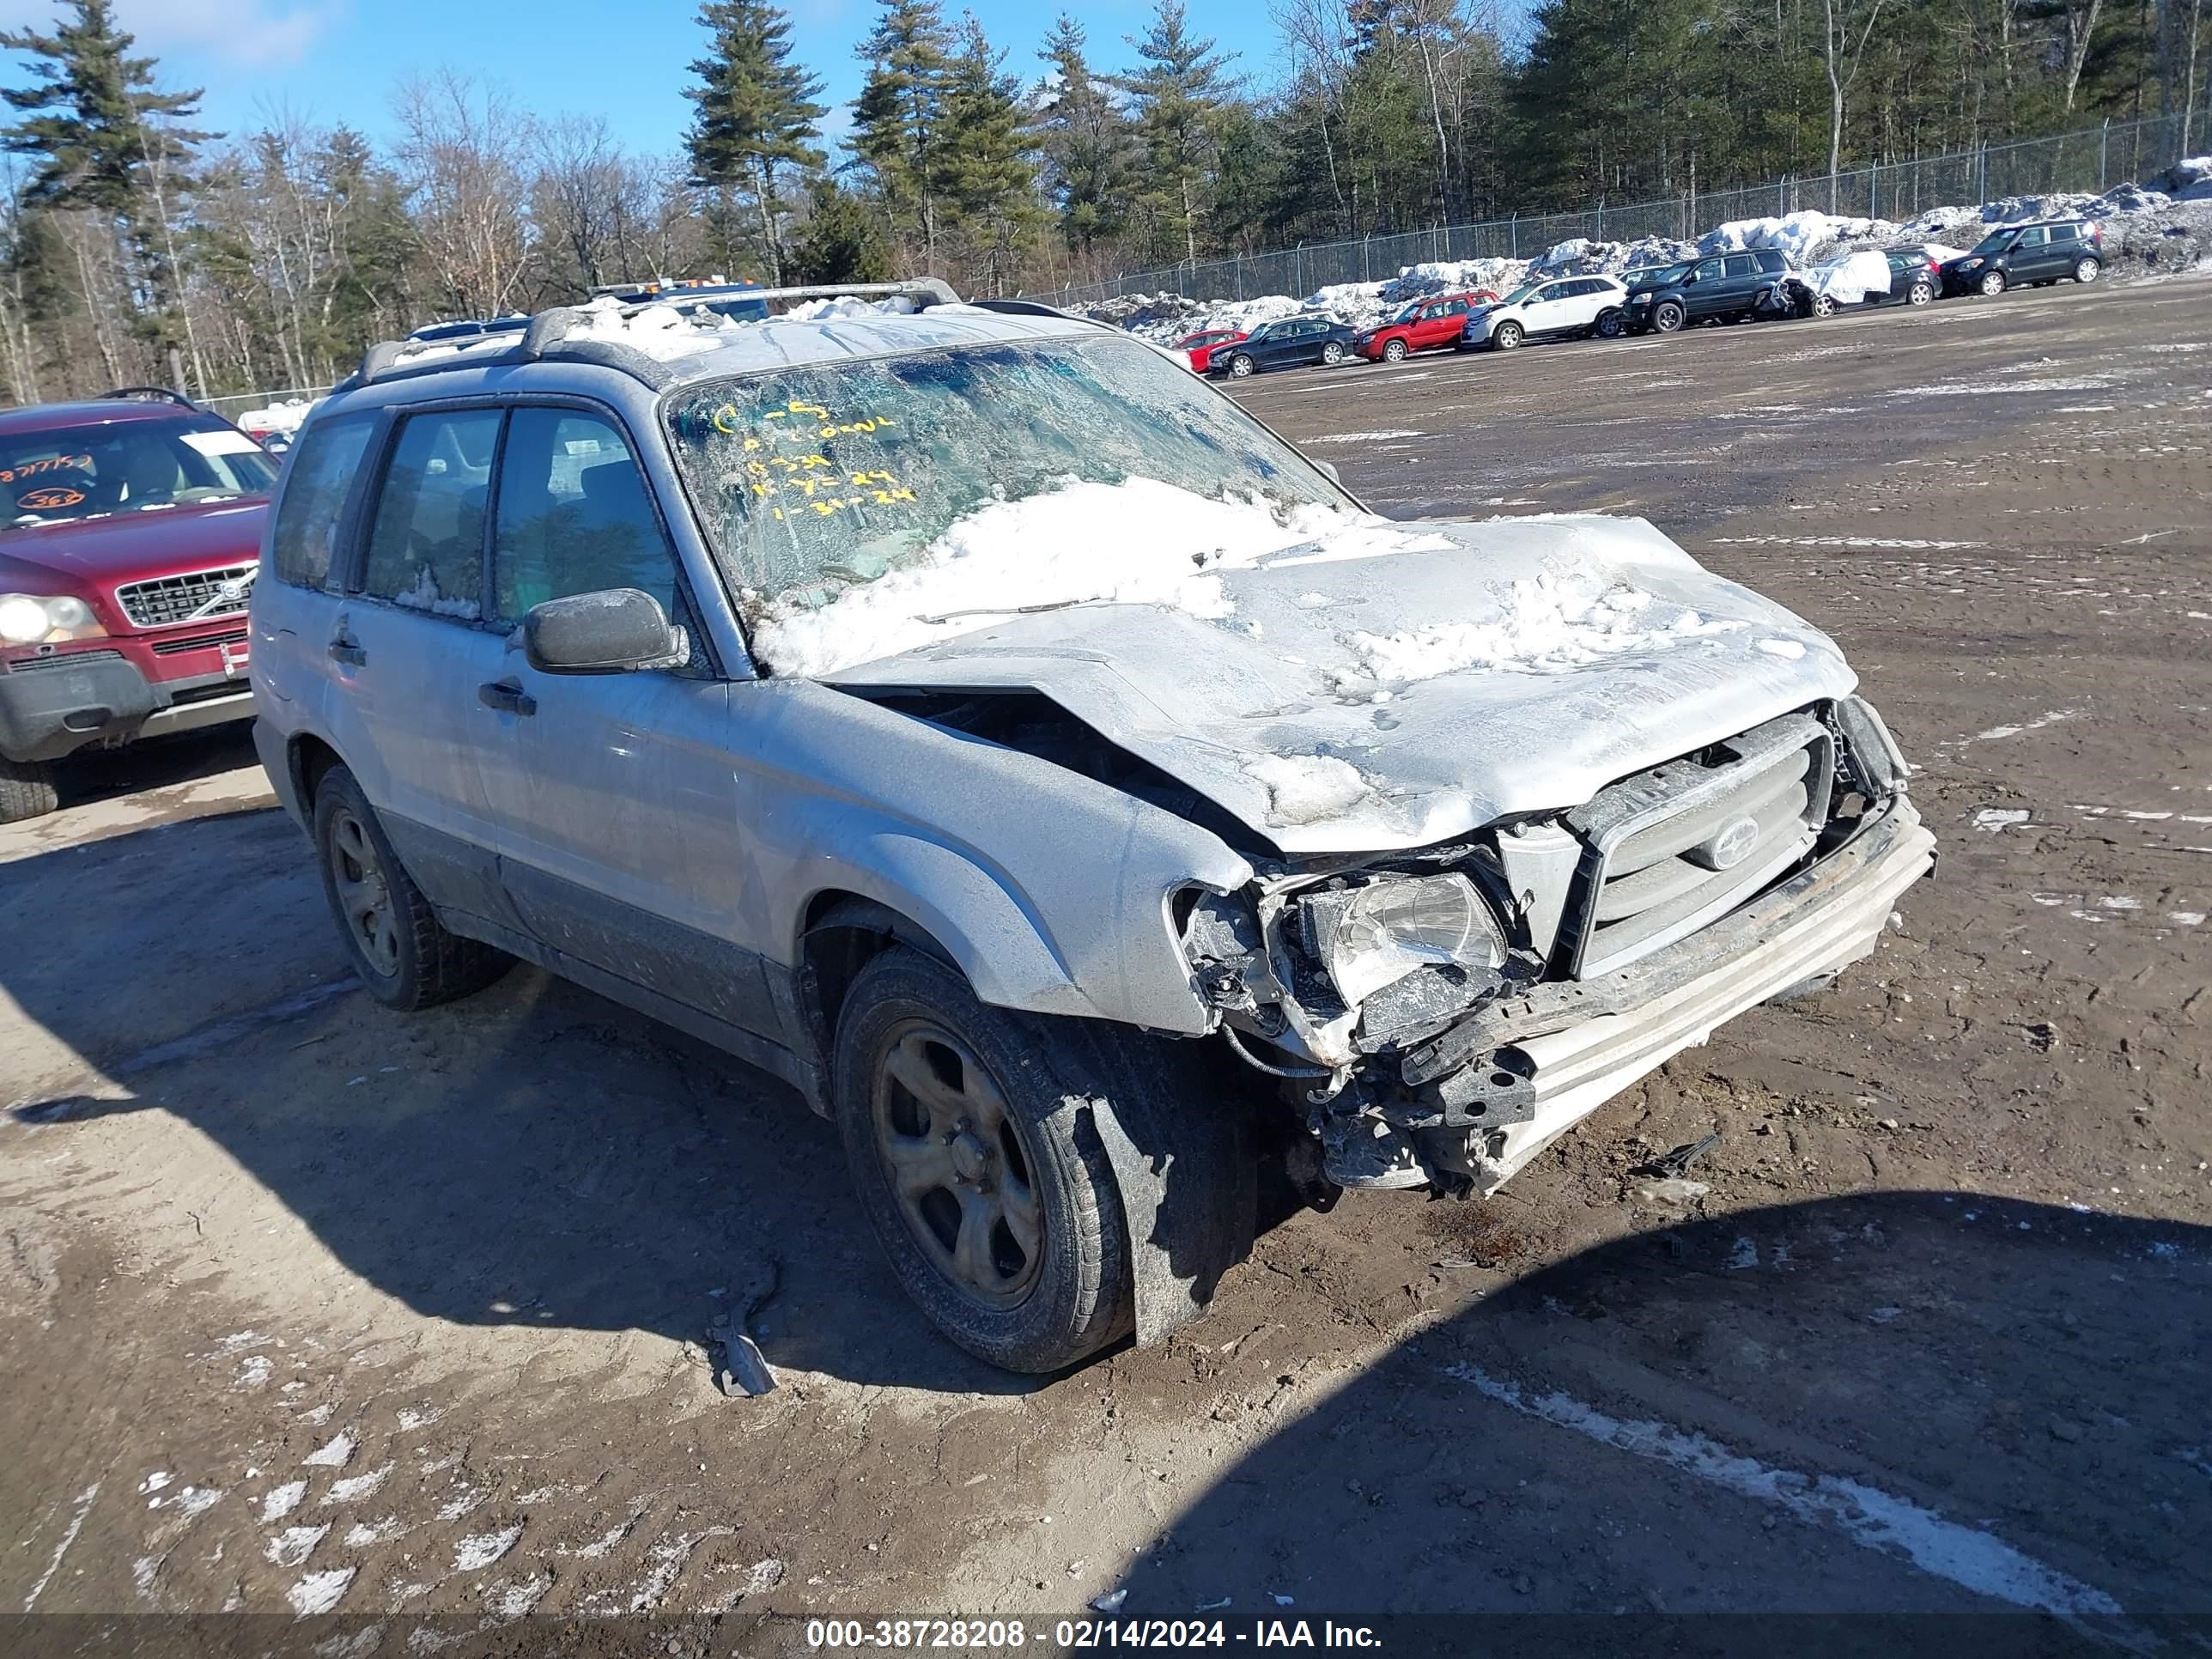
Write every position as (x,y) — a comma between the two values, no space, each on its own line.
(134,245)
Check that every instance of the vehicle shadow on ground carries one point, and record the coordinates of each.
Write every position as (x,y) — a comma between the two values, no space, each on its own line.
(531,1156)
(94,775)
(1662,1424)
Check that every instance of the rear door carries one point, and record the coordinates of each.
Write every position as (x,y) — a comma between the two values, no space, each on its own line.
(1741,281)
(613,796)
(2062,247)
(409,644)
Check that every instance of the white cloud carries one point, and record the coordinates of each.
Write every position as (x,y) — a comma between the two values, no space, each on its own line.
(237,33)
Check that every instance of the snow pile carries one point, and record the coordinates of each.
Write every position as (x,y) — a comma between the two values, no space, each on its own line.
(665,332)
(847,305)
(1850,278)
(1548,623)
(1798,234)
(2187,181)
(1579,257)
(288,417)
(1306,788)
(1139,542)
(1456,275)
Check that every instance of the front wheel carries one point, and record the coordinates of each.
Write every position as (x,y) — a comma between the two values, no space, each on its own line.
(2087,270)
(1824,305)
(1241,367)
(1992,283)
(969,1136)
(1394,352)
(27,790)
(399,948)
(1669,316)
(1331,354)
(1506,335)
(1611,324)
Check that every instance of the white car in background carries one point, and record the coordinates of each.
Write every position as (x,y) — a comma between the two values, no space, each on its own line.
(1558,306)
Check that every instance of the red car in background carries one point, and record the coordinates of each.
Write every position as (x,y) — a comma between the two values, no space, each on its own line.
(130,534)
(1200,348)
(1423,325)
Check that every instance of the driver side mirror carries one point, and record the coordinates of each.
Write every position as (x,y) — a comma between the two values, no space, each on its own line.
(609,632)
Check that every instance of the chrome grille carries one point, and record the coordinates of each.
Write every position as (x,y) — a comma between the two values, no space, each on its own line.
(1683,844)
(202,596)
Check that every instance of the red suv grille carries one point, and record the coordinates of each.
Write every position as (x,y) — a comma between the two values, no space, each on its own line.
(200,597)
(197,641)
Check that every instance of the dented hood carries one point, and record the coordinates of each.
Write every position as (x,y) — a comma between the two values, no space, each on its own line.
(1294,672)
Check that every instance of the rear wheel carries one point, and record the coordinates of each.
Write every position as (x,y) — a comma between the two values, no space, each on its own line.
(1506,335)
(1240,367)
(1668,317)
(1331,354)
(1992,283)
(1824,305)
(1920,294)
(1394,351)
(27,790)
(2088,269)
(401,952)
(970,1135)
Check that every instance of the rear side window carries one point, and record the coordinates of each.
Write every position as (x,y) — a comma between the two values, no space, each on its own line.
(1771,261)
(2065,232)
(573,516)
(315,489)
(426,549)
(1742,265)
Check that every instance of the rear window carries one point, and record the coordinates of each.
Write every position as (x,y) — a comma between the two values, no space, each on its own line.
(315,487)
(127,466)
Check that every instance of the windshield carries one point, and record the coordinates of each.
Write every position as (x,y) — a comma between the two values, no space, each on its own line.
(1521,294)
(124,466)
(1996,241)
(1409,313)
(823,476)
(1663,276)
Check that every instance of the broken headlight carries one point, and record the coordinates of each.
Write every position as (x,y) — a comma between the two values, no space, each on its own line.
(1366,937)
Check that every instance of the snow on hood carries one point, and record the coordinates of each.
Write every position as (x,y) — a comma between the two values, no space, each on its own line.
(1385,687)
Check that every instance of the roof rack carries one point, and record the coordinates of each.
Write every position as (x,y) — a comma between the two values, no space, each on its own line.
(547,335)
(151,394)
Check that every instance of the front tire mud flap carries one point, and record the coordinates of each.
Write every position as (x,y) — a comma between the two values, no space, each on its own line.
(1184,1160)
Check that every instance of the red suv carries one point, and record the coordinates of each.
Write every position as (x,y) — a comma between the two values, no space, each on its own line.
(1425,324)
(130,534)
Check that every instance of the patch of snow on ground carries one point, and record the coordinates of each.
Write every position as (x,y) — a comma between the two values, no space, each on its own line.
(485,1548)
(1139,542)
(358,1487)
(1361,437)
(2057,383)
(1549,623)
(295,1544)
(1306,788)
(320,1592)
(282,1501)
(1994,820)
(333,1454)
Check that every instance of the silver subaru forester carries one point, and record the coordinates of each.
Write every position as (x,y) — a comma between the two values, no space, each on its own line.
(970,716)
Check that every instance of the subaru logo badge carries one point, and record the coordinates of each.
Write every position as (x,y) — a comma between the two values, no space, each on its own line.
(1733,845)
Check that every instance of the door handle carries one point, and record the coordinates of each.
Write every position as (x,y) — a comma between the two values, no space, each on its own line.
(509,697)
(344,649)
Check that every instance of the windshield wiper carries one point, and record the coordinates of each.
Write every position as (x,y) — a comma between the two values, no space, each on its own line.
(1005,611)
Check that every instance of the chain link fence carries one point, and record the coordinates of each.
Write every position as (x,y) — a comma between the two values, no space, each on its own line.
(2094,160)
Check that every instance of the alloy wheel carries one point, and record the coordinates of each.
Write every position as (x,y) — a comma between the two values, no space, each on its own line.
(953,1154)
(364,895)
(1239,368)
(2087,272)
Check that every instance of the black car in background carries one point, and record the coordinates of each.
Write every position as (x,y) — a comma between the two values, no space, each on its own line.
(2017,256)
(1915,278)
(1285,344)
(1721,287)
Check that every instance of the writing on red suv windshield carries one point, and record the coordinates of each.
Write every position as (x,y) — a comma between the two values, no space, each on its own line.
(124,467)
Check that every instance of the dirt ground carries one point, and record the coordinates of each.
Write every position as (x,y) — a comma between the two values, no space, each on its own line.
(309,1307)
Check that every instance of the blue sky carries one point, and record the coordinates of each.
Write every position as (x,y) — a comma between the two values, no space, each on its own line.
(338,60)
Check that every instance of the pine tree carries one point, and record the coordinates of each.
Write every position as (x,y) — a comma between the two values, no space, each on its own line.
(985,175)
(840,240)
(106,144)
(1089,150)
(1179,94)
(897,118)
(755,112)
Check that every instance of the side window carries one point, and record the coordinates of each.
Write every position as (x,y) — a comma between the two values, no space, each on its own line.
(426,550)
(573,516)
(1743,264)
(2065,232)
(1771,261)
(1456,308)
(2031,237)
(1707,270)
(315,488)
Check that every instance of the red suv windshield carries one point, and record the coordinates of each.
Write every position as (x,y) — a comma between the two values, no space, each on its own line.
(124,466)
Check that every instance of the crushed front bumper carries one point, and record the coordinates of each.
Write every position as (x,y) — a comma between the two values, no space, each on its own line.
(1549,1057)
(53,705)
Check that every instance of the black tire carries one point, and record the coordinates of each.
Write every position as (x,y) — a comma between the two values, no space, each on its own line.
(1394,351)
(1803,989)
(1507,336)
(27,790)
(1990,283)
(1241,367)
(1610,324)
(1042,1309)
(1669,316)
(1331,354)
(398,945)
(2087,268)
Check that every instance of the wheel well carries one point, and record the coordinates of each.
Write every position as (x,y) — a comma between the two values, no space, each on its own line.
(841,934)
(311,758)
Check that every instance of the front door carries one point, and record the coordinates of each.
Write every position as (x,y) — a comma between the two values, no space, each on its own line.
(2031,256)
(615,799)
(1704,295)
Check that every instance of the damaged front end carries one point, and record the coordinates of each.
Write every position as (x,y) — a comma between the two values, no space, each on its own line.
(1438,1017)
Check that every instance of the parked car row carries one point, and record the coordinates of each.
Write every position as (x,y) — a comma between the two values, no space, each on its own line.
(1747,285)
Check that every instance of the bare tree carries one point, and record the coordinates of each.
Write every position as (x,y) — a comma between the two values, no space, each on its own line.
(1843,60)
(463,153)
